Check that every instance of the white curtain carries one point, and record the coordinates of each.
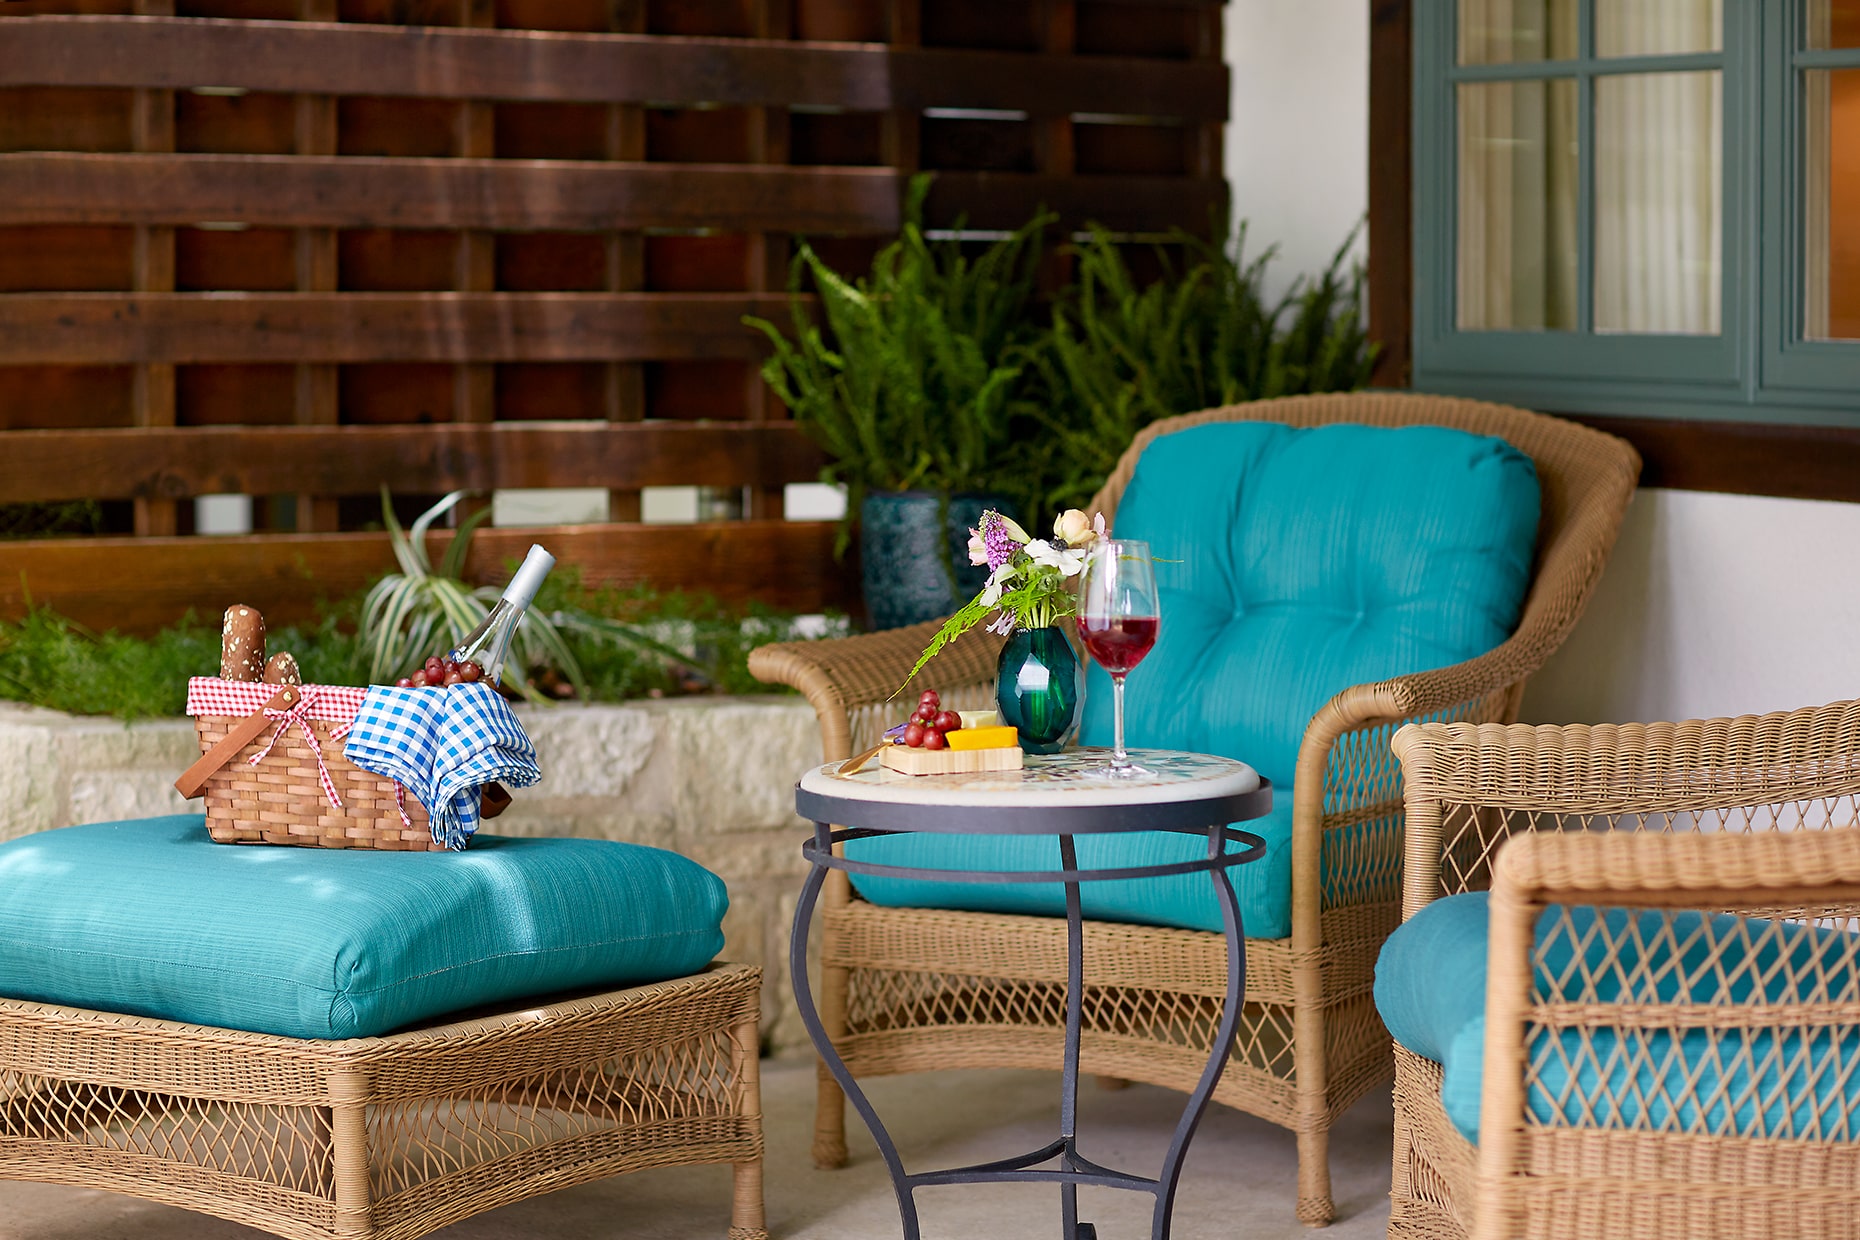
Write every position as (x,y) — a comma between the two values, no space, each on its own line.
(1658,212)
(1517,177)
(1659,173)
(1817,175)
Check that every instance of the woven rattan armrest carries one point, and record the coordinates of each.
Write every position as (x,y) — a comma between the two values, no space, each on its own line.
(846,673)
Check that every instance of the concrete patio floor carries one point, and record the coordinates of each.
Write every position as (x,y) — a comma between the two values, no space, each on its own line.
(1240,1179)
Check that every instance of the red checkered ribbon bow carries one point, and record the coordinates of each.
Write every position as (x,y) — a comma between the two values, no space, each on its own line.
(300,715)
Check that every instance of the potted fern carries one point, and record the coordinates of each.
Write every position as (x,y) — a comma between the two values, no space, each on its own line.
(1122,352)
(909,380)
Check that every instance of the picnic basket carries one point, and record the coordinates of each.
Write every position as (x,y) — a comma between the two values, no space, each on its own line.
(273,771)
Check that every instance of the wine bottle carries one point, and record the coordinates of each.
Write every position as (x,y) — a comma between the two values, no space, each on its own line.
(488,645)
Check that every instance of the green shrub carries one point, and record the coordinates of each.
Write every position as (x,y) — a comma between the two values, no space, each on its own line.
(629,643)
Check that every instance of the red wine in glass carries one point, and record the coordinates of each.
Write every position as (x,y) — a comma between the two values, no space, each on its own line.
(1118,643)
(1119,613)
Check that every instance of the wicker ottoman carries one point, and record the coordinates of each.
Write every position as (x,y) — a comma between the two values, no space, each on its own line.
(389,1137)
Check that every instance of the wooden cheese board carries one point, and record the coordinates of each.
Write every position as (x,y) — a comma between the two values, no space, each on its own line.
(908,761)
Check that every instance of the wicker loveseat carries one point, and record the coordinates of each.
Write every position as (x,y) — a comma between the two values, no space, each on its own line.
(1649,1023)
(912,989)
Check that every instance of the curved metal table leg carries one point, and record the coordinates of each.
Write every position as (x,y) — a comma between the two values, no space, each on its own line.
(810,1017)
(1171,1175)
(1074,1168)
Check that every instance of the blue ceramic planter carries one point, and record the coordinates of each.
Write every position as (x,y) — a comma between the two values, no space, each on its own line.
(914,555)
(1039,687)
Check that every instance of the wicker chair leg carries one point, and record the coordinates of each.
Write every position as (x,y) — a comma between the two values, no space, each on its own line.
(830,1104)
(1315,1208)
(747,1221)
(348,1095)
(829,1124)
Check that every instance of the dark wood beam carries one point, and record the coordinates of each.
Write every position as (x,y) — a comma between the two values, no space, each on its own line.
(1741,458)
(1391,189)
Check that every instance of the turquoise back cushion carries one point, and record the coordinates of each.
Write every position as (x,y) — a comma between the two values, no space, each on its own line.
(151,918)
(1292,564)
(1430,990)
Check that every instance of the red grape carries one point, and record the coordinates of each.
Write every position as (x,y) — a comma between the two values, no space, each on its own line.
(934,740)
(417,680)
(930,699)
(914,734)
(453,678)
(946,721)
(470,672)
(405,682)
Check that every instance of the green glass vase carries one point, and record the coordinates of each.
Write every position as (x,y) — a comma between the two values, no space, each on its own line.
(1039,688)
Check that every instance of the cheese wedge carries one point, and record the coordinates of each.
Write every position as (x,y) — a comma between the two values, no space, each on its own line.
(1000,737)
(979,718)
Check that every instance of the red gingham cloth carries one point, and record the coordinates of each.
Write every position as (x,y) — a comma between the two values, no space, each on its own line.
(337,704)
(209,695)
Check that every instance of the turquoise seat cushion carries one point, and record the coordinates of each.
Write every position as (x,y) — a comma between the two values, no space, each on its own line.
(1292,564)
(151,918)
(1782,1083)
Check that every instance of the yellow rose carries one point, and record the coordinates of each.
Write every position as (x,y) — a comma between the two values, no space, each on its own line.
(1075,529)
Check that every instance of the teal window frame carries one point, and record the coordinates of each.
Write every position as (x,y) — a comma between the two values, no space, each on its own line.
(1760,366)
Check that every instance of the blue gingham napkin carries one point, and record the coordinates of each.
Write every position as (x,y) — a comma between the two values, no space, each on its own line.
(443,745)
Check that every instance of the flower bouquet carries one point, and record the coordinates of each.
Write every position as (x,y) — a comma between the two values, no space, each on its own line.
(1032,585)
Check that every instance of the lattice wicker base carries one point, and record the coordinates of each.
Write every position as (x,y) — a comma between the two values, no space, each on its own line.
(989,991)
(389,1138)
(1588,1184)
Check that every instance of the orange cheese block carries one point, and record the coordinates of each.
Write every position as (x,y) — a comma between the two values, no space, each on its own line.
(1001,737)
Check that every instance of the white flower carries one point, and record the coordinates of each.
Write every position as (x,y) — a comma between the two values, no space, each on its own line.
(1013,528)
(978,547)
(1065,559)
(997,585)
(1075,529)
(1002,624)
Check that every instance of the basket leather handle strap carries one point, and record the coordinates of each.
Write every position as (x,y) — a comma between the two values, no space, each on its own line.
(194,779)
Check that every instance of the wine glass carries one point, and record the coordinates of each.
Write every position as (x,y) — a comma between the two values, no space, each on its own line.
(1119,615)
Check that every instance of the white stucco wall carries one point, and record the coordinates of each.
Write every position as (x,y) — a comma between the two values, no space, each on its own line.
(1298,139)
(1713,604)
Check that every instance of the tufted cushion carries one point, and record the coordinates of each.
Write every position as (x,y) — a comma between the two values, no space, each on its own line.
(150,918)
(1430,990)
(1293,564)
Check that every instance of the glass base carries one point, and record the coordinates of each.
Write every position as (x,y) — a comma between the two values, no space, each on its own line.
(1129,770)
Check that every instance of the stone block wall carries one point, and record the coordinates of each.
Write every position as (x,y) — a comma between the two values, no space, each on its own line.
(711,778)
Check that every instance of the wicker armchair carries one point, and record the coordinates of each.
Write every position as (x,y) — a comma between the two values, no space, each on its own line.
(1694,1073)
(906,990)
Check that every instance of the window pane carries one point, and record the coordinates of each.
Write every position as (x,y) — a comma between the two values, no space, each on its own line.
(1497,32)
(1658,27)
(1831,205)
(1659,219)
(1832,23)
(1517,206)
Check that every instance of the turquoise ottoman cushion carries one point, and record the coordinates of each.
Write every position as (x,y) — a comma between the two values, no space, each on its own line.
(1430,990)
(150,918)
(1292,564)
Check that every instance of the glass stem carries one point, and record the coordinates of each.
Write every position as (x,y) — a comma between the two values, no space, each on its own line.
(1119,759)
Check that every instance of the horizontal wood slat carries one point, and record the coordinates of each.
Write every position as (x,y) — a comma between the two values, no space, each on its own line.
(78,329)
(437,62)
(165,463)
(538,195)
(373,192)
(142,584)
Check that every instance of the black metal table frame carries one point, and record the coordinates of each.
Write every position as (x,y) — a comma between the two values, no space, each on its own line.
(1209,816)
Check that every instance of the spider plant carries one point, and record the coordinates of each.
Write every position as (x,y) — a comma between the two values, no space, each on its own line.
(421,611)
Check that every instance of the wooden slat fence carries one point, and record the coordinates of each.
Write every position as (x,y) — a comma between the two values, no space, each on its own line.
(299,249)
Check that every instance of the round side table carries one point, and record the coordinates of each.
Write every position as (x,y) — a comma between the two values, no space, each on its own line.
(1061,796)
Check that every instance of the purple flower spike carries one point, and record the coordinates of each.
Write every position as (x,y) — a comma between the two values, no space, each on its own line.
(995,538)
